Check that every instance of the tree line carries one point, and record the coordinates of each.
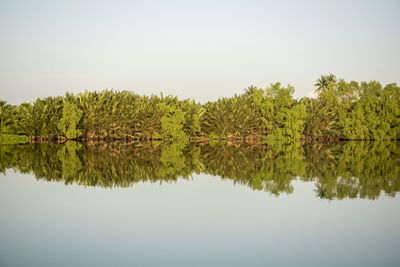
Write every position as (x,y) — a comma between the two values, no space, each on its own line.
(341,110)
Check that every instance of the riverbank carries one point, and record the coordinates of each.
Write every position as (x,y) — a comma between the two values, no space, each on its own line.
(341,111)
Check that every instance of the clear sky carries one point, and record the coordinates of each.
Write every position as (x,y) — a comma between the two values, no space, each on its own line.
(193,49)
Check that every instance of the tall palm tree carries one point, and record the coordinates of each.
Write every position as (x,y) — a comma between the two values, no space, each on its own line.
(324,82)
(322,85)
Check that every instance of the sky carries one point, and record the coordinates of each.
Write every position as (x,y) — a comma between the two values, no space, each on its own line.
(201,50)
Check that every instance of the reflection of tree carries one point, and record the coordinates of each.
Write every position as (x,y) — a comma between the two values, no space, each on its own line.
(7,157)
(355,169)
(340,170)
(172,159)
(321,191)
(71,164)
(268,168)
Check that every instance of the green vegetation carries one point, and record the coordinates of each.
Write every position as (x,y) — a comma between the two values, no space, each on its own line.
(342,110)
(70,118)
(339,170)
(13,139)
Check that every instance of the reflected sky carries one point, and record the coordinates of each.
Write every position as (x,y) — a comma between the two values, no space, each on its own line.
(201,221)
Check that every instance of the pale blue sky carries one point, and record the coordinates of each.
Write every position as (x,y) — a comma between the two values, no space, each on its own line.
(193,49)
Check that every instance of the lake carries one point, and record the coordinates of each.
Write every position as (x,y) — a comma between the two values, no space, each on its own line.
(224,204)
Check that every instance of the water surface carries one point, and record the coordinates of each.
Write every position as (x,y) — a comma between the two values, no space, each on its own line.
(221,205)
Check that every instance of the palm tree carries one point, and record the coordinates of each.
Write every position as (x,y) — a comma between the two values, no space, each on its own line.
(322,85)
(331,78)
(324,82)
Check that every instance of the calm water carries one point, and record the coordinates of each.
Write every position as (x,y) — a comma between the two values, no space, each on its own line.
(221,205)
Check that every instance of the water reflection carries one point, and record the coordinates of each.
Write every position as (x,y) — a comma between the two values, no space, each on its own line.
(340,170)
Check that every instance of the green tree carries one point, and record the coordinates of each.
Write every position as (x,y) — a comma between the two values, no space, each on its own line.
(286,114)
(6,117)
(71,116)
(323,83)
(172,122)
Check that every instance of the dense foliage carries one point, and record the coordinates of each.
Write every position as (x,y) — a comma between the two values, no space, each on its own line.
(341,110)
(339,170)
(13,139)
